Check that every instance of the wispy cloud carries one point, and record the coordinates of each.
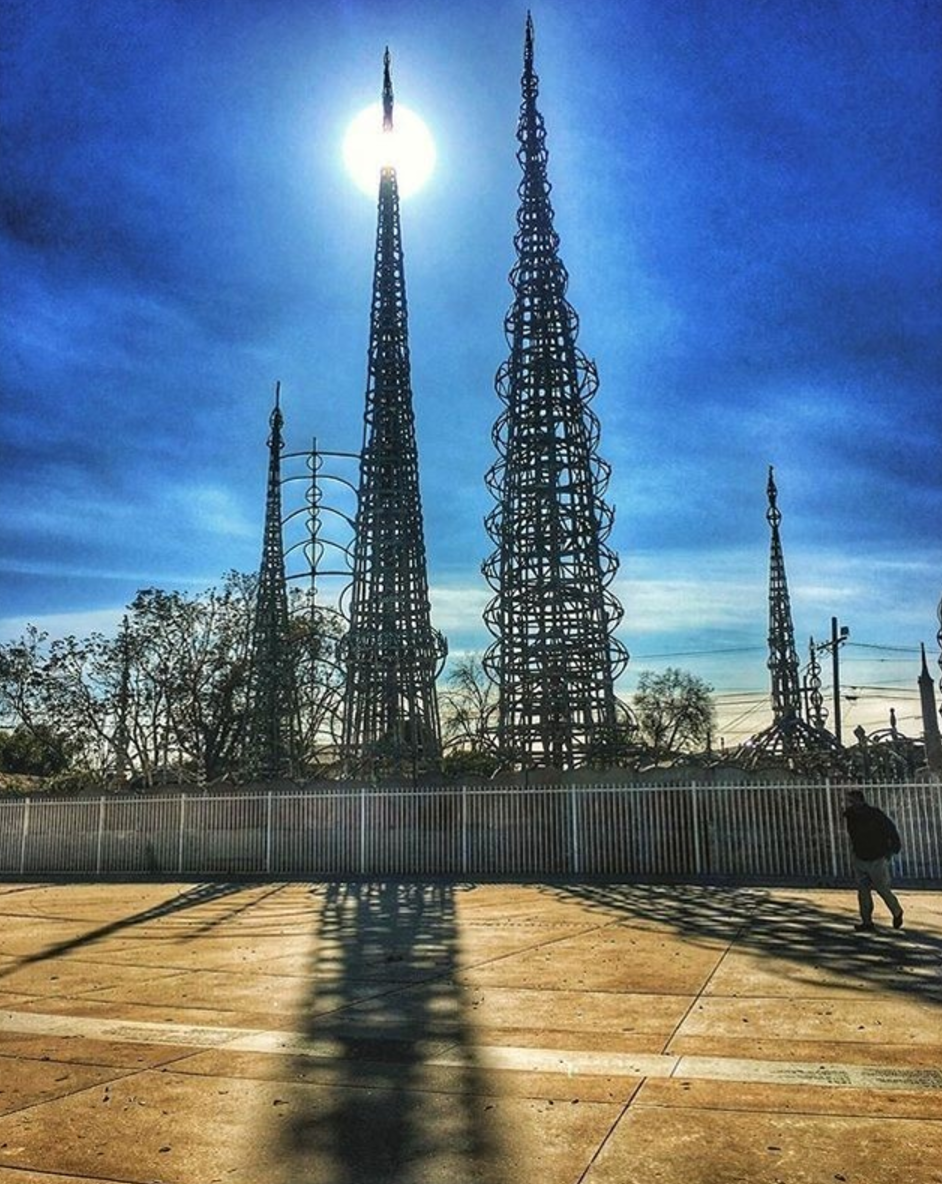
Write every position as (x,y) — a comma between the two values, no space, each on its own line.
(213,509)
(82,624)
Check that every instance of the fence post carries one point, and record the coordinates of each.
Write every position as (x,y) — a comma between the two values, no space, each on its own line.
(180,838)
(574,831)
(832,837)
(464,830)
(268,835)
(101,833)
(362,854)
(695,811)
(24,837)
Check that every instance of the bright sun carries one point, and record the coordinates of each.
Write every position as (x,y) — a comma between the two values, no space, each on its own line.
(409,147)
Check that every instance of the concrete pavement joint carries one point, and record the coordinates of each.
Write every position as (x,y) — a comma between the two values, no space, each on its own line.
(670,1062)
(119,1075)
(703,986)
(30,1173)
(571,1062)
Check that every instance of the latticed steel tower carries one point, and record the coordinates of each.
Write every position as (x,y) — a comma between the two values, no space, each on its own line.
(392,653)
(789,736)
(554,657)
(271,724)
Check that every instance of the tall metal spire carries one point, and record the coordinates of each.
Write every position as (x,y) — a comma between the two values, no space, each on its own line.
(554,657)
(789,736)
(271,726)
(392,653)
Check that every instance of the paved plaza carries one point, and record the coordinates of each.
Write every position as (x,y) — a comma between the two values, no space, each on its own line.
(404,1033)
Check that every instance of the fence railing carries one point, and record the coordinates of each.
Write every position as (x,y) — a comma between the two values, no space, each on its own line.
(776,833)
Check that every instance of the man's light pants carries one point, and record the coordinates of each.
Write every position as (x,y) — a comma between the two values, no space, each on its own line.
(873,875)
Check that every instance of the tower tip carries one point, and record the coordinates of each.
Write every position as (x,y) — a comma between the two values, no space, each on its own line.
(276,419)
(773,514)
(387,93)
(529,81)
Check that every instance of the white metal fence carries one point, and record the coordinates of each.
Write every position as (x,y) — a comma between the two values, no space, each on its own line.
(784,833)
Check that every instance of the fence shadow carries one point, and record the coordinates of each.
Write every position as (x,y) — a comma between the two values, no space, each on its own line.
(383,999)
(201,894)
(797,931)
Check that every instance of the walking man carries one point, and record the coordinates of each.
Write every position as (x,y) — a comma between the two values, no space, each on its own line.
(874,839)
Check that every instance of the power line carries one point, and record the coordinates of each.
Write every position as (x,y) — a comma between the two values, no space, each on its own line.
(899,649)
(755,649)
(870,661)
(747,649)
(745,715)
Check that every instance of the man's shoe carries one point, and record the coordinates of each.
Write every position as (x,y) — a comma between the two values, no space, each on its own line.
(898,921)
(866,927)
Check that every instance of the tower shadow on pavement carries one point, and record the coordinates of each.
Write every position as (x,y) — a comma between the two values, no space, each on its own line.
(198,895)
(383,999)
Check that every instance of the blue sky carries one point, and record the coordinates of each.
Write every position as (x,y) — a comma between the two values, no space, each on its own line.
(748,201)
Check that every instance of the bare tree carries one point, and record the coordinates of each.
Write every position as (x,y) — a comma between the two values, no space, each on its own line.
(469,709)
(319,678)
(166,698)
(674,712)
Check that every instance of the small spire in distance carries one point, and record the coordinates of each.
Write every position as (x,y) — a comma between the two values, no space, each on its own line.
(773,514)
(276,419)
(387,94)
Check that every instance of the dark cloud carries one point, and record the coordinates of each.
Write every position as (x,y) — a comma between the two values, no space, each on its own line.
(748,201)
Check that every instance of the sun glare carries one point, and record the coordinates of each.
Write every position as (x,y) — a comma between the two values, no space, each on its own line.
(409,148)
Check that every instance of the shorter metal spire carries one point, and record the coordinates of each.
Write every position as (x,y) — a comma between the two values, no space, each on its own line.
(387,94)
(930,717)
(789,737)
(783,658)
(271,716)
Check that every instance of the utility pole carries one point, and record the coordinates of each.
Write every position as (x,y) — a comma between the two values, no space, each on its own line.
(837,637)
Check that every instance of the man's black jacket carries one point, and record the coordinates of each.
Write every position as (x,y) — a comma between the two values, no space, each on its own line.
(872,834)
